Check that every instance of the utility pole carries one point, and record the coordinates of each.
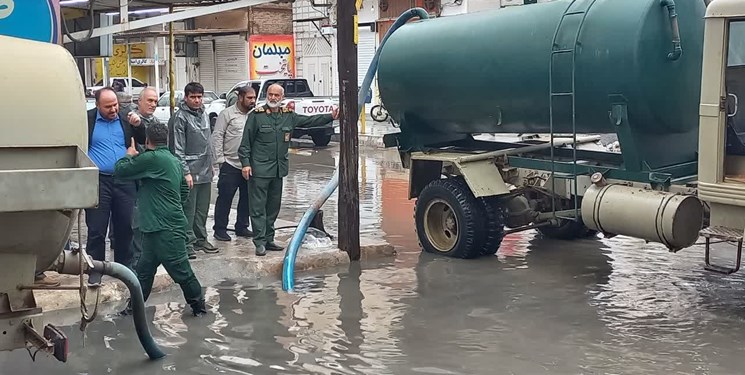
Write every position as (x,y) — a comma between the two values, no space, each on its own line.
(349,193)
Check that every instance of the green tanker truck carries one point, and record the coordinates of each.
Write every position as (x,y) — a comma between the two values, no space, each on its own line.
(663,76)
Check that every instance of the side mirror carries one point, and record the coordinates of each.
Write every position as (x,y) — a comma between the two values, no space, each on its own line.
(223,96)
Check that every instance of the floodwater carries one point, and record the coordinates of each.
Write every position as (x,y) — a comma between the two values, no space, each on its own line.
(596,306)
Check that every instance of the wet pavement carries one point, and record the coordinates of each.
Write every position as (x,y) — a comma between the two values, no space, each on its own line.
(596,306)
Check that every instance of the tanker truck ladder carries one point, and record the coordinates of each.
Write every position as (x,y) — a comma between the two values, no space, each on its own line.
(562,90)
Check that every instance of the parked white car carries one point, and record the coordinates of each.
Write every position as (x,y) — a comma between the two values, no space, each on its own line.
(212,104)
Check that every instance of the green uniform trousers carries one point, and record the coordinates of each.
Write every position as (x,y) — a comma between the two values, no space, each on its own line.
(265,199)
(196,210)
(168,247)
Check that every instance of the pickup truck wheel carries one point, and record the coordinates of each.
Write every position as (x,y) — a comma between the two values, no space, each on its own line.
(449,220)
(320,139)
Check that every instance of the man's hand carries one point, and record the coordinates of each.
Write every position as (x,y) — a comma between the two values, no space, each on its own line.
(134,119)
(132,150)
(335,113)
(246,172)
(189,180)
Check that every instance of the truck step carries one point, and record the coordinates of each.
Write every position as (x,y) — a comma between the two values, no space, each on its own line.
(723,233)
(726,234)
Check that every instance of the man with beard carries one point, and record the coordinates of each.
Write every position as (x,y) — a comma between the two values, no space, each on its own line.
(264,158)
(225,141)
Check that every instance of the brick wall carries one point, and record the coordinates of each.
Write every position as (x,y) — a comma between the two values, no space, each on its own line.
(260,19)
(271,19)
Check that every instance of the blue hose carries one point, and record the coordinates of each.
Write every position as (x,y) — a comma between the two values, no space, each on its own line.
(288,268)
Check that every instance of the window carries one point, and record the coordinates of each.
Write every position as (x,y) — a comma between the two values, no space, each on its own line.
(137,83)
(165,100)
(735,92)
(290,88)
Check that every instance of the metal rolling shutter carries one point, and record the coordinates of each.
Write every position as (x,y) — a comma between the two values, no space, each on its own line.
(231,59)
(365,52)
(206,65)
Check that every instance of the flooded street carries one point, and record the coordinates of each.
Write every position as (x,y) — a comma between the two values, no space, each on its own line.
(595,306)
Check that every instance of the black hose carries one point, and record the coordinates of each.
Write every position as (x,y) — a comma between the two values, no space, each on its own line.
(90,31)
(129,279)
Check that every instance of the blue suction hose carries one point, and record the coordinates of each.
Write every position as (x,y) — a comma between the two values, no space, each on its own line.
(288,268)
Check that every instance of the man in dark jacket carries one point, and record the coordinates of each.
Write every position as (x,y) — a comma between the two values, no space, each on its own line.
(109,134)
(189,139)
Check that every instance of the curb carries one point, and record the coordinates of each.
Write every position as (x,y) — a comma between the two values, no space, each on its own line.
(241,265)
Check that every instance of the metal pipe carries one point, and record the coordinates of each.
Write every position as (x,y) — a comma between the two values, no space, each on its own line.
(171,62)
(522,150)
(677,49)
(288,267)
(171,74)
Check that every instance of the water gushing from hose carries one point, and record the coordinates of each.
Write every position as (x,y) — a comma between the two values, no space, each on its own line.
(288,268)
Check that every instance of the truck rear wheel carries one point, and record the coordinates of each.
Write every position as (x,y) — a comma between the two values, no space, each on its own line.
(494,230)
(449,220)
(320,139)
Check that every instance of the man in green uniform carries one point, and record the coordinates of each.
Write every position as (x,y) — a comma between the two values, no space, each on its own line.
(264,157)
(160,199)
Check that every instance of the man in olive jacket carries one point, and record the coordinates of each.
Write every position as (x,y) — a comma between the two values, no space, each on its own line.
(189,140)
(264,157)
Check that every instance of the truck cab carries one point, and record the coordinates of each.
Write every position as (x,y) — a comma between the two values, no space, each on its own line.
(721,166)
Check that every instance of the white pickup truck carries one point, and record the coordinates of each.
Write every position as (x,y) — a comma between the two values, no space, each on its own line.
(297,96)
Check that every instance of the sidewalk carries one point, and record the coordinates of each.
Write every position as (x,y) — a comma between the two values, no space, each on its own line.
(236,260)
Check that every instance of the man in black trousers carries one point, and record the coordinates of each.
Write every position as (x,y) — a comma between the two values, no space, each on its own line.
(110,132)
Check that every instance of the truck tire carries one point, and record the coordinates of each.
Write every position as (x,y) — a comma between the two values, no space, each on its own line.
(494,230)
(321,139)
(449,220)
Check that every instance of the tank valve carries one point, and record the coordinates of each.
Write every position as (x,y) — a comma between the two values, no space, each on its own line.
(598,180)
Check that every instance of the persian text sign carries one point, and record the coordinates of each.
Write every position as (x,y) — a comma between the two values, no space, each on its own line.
(271,56)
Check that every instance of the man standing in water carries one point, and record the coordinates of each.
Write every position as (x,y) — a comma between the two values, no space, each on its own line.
(163,191)
(264,157)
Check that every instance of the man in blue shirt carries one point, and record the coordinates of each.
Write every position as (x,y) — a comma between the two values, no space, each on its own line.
(109,135)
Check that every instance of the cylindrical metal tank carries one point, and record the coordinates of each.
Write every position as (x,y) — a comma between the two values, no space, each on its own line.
(45,175)
(670,219)
(489,72)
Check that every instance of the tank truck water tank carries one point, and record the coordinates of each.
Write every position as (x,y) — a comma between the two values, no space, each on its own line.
(45,174)
(488,72)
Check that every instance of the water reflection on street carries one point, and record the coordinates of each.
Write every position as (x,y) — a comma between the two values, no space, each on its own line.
(595,306)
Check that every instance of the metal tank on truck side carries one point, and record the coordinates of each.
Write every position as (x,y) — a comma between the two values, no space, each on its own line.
(495,71)
(563,68)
